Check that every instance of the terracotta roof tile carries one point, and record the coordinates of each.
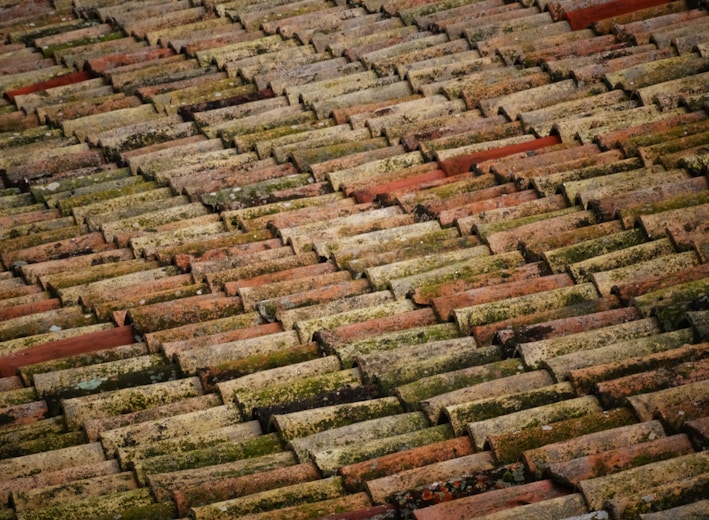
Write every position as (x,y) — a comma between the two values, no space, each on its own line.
(223,488)
(677,512)
(425,360)
(598,243)
(491,501)
(41,498)
(605,281)
(306,325)
(347,351)
(444,306)
(562,365)
(60,459)
(241,321)
(629,205)
(683,37)
(316,491)
(455,19)
(239,449)
(308,389)
(131,456)
(382,488)
(107,353)
(581,18)
(326,20)
(224,350)
(458,161)
(626,486)
(301,167)
(535,352)
(584,378)
(508,447)
(374,255)
(69,473)
(540,460)
(106,63)
(643,382)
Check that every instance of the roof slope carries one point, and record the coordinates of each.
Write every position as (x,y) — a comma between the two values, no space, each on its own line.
(408,259)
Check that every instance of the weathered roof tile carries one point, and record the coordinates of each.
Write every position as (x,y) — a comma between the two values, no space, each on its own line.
(535,352)
(347,351)
(564,364)
(301,167)
(492,501)
(626,483)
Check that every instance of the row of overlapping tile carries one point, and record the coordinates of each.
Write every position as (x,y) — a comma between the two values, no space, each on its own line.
(368,260)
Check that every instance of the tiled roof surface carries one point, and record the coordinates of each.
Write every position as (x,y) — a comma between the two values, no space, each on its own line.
(365,259)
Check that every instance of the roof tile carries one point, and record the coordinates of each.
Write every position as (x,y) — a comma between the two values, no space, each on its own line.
(643,382)
(667,495)
(456,464)
(69,473)
(97,406)
(491,501)
(585,190)
(182,425)
(376,476)
(277,270)
(628,205)
(216,354)
(627,482)
(605,281)
(347,351)
(299,389)
(82,360)
(597,443)
(307,323)
(249,449)
(304,26)
(162,483)
(585,247)
(425,360)
(672,404)
(41,498)
(470,272)
(680,511)
(534,353)
(94,427)
(582,271)
(315,491)
(564,364)
(459,160)
(444,306)
(225,488)
(363,431)
(510,446)
(28,465)
(585,378)
(400,352)
(437,405)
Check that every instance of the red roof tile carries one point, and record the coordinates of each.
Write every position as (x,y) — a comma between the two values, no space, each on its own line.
(274,119)
(67,347)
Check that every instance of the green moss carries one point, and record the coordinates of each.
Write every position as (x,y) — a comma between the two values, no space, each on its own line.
(43,444)
(435,385)
(597,247)
(160,511)
(48,52)
(218,454)
(507,448)
(66,205)
(28,37)
(302,389)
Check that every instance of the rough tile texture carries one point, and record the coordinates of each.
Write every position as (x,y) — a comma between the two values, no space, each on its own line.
(356,259)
